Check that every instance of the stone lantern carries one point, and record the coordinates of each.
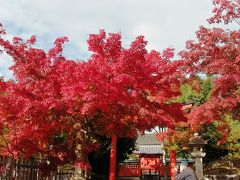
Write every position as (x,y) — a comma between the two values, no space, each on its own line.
(197,144)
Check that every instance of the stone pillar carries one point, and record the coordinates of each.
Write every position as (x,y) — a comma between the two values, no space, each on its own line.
(198,155)
(197,143)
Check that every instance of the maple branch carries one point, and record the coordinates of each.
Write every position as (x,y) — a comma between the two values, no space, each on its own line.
(110,78)
(155,130)
(144,94)
(77,118)
(89,123)
(15,131)
(10,50)
(7,145)
(237,21)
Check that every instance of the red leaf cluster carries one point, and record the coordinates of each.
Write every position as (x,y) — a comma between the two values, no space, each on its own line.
(216,53)
(225,11)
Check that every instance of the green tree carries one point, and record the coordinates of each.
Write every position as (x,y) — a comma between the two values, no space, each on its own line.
(196,91)
(222,136)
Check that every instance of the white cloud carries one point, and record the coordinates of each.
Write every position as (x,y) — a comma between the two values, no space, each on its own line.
(164,23)
(5,63)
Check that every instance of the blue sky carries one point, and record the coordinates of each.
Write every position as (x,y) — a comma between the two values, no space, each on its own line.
(164,23)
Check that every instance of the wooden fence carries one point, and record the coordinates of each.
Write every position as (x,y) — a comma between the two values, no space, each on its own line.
(129,170)
(134,170)
(20,169)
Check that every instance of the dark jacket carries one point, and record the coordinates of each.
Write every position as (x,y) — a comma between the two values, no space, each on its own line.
(186,174)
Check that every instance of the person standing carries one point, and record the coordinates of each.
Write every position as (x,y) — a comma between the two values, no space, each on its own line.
(185,172)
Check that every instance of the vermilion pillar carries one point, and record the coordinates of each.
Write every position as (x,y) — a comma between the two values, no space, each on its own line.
(173,162)
(113,157)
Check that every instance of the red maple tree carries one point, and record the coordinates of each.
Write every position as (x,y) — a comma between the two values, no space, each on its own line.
(216,52)
(55,106)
